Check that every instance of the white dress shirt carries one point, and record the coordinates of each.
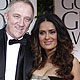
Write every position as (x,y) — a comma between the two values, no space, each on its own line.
(11,59)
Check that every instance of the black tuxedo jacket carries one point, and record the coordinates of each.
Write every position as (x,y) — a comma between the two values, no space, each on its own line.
(24,63)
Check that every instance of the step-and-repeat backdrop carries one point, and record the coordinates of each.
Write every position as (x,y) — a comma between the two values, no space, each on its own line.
(4,5)
(69,12)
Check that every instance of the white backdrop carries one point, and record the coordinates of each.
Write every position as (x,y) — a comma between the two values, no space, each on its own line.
(3,6)
(69,12)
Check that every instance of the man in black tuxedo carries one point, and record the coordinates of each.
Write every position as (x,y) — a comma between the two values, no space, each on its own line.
(15,55)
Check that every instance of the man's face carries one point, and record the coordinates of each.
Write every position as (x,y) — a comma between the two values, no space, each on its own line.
(18,19)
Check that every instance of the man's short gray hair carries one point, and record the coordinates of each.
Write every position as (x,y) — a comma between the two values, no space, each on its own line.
(24,1)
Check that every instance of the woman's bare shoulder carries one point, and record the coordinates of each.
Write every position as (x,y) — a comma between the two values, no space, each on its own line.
(76,69)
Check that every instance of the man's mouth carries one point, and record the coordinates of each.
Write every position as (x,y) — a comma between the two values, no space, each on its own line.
(19,28)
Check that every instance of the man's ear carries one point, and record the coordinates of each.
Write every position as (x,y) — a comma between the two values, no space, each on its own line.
(5,17)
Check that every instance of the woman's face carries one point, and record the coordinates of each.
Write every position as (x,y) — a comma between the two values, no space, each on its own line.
(48,36)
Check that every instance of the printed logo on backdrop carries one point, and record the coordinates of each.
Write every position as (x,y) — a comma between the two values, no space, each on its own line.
(3,6)
(69,12)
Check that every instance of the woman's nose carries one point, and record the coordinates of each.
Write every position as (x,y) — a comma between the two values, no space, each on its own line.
(47,36)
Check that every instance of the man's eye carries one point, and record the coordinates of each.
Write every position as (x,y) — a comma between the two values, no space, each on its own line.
(28,19)
(16,16)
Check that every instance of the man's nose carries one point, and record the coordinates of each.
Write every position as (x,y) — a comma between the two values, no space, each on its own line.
(21,22)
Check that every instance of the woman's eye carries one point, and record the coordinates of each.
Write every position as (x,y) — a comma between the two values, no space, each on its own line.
(52,32)
(42,33)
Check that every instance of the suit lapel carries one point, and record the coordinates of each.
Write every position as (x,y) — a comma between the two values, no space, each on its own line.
(19,68)
(24,64)
(28,58)
(3,42)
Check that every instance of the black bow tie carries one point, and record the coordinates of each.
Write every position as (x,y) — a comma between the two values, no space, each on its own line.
(14,41)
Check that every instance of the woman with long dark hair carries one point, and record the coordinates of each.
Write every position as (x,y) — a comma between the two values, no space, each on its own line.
(52,48)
